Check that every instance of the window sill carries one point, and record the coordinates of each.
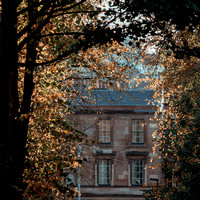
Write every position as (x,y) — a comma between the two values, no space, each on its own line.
(104,185)
(138,144)
(105,144)
(137,185)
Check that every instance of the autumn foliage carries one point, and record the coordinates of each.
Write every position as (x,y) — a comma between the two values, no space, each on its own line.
(49,43)
(177,137)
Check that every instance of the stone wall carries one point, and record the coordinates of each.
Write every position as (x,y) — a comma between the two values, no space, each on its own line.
(120,151)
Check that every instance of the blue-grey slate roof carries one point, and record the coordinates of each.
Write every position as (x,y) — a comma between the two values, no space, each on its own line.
(114,98)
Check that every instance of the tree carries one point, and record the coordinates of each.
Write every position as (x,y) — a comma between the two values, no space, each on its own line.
(27,27)
(8,56)
(158,21)
(177,137)
(179,144)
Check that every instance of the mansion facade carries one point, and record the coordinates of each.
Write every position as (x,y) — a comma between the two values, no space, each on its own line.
(120,164)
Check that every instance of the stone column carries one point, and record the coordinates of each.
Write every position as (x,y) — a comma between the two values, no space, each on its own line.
(145,174)
(113,176)
(129,175)
(96,175)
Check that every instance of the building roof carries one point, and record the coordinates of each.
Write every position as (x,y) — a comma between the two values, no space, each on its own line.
(116,98)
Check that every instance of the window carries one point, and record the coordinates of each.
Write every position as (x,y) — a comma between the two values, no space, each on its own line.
(137,172)
(104,131)
(104,172)
(137,131)
(101,84)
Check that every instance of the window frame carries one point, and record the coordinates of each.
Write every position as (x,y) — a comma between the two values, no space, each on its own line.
(100,174)
(132,131)
(103,142)
(138,172)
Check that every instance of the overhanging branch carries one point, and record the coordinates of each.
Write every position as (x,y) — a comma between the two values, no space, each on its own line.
(64,33)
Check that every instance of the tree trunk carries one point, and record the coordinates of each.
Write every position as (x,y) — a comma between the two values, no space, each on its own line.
(14,125)
(11,166)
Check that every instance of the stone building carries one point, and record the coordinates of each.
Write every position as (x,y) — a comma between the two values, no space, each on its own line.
(119,164)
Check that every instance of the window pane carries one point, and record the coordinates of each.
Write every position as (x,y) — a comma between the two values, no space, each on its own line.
(104,131)
(108,124)
(100,139)
(137,131)
(137,172)
(108,138)
(100,128)
(104,172)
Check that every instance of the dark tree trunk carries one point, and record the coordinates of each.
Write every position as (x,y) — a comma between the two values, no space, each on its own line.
(11,166)
(14,126)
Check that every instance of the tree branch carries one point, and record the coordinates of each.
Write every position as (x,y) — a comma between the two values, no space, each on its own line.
(76,12)
(64,33)
(36,16)
(42,24)
(34,4)
(34,33)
